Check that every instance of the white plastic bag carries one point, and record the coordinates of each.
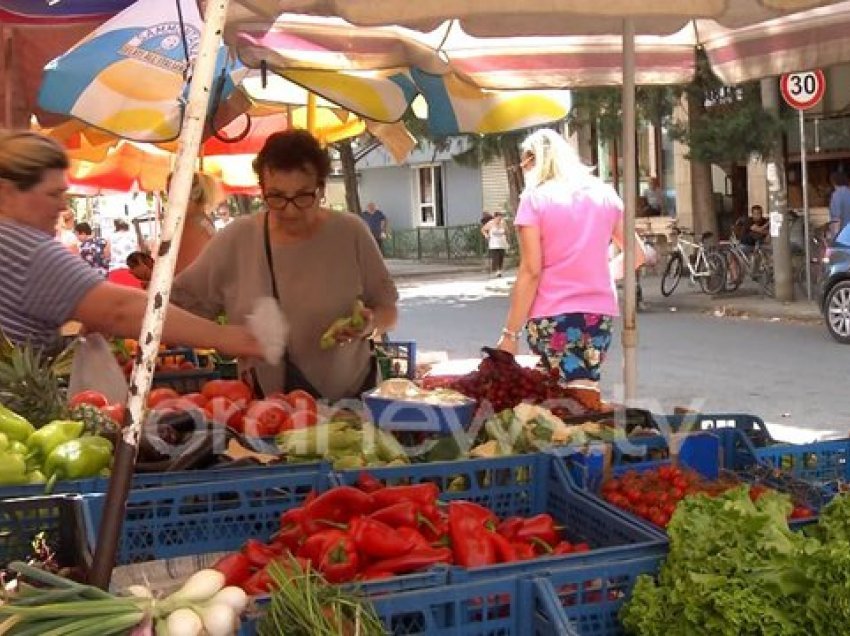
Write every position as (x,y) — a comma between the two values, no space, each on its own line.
(270,328)
(95,368)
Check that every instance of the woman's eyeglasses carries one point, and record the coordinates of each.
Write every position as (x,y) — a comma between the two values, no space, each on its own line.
(302,200)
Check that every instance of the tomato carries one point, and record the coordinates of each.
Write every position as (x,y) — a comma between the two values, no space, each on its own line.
(176,404)
(233,390)
(197,398)
(220,409)
(115,412)
(304,409)
(265,418)
(158,395)
(94,398)
(801,512)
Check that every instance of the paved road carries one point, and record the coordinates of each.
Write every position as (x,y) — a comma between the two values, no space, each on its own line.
(789,374)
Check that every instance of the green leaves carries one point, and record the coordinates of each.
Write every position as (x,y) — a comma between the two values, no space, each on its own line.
(735,568)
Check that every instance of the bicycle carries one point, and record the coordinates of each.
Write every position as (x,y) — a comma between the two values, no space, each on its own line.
(705,265)
(742,262)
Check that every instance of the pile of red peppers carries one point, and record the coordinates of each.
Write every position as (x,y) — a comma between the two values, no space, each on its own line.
(372,531)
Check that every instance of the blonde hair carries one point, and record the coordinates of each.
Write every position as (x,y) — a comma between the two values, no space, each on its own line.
(26,155)
(554,159)
(206,190)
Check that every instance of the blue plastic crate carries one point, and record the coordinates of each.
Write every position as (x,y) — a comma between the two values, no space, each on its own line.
(751,425)
(197,518)
(527,485)
(590,596)
(21,519)
(492,607)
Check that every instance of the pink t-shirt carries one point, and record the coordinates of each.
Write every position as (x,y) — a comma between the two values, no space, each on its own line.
(576,222)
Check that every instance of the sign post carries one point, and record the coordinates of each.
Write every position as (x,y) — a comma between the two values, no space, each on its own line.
(803,91)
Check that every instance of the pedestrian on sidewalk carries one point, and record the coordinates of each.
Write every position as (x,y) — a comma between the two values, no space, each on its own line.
(496,233)
(839,203)
(377,222)
(564,294)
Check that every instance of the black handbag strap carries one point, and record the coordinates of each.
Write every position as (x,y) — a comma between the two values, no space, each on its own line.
(267,243)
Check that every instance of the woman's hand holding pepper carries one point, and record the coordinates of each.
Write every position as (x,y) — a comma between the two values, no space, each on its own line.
(349,334)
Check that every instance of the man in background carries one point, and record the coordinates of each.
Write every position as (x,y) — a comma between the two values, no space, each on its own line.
(839,203)
(654,197)
(377,222)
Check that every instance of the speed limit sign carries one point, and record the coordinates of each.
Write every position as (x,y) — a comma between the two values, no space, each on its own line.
(803,90)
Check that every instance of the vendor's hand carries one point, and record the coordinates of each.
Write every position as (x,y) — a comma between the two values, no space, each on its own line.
(238,341)
(507,344)
(347,335)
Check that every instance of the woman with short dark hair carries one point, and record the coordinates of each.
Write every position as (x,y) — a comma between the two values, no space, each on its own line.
(316,262)
(94,250)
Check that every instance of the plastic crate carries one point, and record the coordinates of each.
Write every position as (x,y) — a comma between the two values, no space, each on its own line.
(396,359)
(527,485)
(189,381)
(751,425)
(196,518)
(589,597)
(494,607)
(22,519)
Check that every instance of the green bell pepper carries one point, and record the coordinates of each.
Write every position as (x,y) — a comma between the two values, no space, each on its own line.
(14,426)
(4,442)
(13,470)
(44,440)
(18,448)
(77,459)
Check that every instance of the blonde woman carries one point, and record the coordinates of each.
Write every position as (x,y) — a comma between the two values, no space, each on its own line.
(45,285)
(564,294)
(198,229)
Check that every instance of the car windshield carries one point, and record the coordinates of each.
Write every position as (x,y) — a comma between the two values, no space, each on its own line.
(844,235)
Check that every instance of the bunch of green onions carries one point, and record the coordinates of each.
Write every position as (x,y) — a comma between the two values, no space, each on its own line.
(302,603)
(61,607)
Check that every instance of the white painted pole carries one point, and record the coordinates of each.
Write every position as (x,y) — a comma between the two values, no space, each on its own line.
(804,177)
(630,200)
(159,292)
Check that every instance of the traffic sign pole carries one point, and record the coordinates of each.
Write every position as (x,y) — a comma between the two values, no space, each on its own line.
(803,91)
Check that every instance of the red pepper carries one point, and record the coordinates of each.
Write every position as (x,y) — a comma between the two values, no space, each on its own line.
(258,553)
(415,537)
(472,544)
(505,551)
(315,546)
(581,547)
(403,514)
(378,540)
(524,551)
(290,535)
(259,583)
(413,561)
(422,494)
(539,527)
(368,483)
(564,547)
(474,513)
(335,507)
(236,568)
(370,575)
(340,562)
(438,532)
(291,517)
(510,526)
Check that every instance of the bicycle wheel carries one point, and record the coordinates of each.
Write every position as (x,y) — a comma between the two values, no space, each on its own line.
(672,274)
(716,279)
(764,276)
(734,270)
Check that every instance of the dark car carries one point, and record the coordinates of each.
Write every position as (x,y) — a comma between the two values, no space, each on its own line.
(834,290)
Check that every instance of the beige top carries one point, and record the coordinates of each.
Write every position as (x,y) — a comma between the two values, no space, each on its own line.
(319,279)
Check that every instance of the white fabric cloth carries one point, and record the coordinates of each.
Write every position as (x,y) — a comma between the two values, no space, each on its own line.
(121,245)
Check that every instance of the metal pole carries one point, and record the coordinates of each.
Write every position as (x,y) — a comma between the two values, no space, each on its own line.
(630,199)
(804,175)
(160,289)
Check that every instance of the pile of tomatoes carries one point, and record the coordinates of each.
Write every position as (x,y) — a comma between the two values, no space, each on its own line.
(653,494)
(232,403)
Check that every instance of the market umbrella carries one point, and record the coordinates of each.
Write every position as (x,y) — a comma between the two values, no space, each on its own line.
(744,39)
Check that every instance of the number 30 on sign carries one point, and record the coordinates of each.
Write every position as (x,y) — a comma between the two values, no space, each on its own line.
(803,90)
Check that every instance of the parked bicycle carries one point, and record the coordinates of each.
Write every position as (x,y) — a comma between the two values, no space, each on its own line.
(705,265)
(744,261)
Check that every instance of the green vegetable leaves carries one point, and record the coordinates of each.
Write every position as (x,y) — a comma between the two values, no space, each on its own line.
(735,568)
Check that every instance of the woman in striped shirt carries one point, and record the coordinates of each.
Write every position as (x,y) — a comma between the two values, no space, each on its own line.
(44,285)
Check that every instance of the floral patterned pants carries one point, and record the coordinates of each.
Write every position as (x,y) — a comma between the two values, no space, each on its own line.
(575,344)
